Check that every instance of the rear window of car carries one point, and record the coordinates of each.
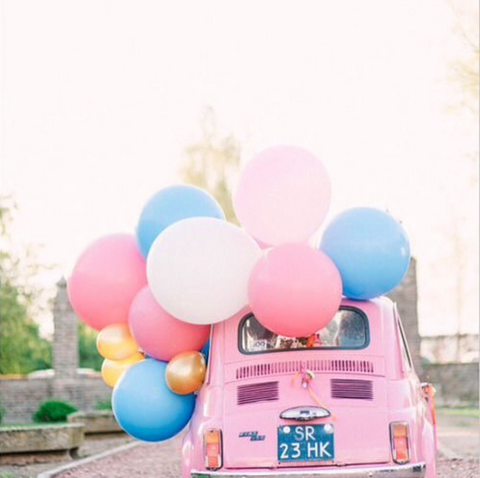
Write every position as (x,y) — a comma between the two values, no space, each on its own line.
(348,330)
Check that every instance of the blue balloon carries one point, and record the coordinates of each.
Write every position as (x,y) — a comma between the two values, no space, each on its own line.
(145,407)
(170,205)
(371,250)
(206,351)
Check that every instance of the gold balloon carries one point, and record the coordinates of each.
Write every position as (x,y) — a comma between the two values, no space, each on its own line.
(115,342)
(186,372)
(112,370)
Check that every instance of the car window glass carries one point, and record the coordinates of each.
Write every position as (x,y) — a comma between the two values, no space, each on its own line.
(404,348)
(348,330)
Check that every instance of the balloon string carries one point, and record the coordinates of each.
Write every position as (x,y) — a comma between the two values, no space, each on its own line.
(307,377)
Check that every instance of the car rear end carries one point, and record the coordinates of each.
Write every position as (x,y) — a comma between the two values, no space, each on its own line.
(317,406)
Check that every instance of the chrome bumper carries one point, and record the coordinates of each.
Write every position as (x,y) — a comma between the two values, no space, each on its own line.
(398,471)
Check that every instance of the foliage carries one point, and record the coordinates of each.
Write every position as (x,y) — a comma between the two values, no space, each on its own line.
(22,350)
(104,405)
(53,411)
(2,412)
(212,163)
(87,349)
(465,71)
(471,412)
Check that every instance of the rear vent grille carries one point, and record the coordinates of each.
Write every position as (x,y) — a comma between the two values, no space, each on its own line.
(257,392)
(352,389)
(293,366)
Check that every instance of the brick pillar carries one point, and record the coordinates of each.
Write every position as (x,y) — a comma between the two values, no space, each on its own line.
(65,344)
(406,297)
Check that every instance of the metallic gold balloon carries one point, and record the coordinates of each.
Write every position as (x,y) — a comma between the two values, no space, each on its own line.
(112,370)
(115,342)
(186,372)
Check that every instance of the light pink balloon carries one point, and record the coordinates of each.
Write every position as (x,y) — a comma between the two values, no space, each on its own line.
(283,195)
(105,279)
(295,290)
(159,334)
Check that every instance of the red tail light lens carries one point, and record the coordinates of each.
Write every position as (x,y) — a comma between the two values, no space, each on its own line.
(399,436)
(212,439)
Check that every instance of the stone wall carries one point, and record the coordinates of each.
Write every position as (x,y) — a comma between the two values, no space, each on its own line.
(21,397)
(456,383)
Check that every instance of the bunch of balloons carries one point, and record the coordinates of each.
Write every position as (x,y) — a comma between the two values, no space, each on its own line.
(153,297)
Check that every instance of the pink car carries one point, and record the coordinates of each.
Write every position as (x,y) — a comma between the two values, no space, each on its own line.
(345,402)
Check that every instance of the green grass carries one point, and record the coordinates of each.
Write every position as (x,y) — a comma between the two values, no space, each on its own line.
(460,412)
(6,474)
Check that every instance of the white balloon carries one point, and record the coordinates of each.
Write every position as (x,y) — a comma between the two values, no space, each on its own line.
(198,269)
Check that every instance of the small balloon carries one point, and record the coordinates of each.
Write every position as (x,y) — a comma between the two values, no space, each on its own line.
(115,342)
(283,195)
(295,290)
(112,370)
(105,279)
(186,372)
(170,205)
(198,269)
(160,335)
(371,250)
(146,408)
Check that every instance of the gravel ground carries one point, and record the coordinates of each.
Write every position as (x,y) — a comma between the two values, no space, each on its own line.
(143,461)
(462,468)
(163,461)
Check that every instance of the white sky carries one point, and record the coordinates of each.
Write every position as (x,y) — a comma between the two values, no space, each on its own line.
(100,98)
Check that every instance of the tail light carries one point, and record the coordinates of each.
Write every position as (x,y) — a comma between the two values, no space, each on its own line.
(399,436)
(212,439)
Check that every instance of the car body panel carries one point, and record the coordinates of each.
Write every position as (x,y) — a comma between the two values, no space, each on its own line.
(245,394)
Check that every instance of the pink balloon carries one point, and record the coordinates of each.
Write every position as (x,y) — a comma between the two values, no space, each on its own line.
(105,279)
(159,334)
(295,290)
(283,195)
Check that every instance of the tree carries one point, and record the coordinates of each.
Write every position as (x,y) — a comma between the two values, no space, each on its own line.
(462,234)
(22,350)
(213,162)
(87,349)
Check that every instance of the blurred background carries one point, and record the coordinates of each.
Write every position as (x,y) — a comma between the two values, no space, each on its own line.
(104,103)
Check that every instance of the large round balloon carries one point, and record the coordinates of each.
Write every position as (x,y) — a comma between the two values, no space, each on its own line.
(105,279)
(170,205)
(115,342)
(112,370)
(371,250)
(198,269)
(159,334)
(283,195)
(295,290)
(146,408)
(186,372)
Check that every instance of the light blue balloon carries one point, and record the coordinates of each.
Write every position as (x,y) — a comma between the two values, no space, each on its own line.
(371,250)
(206,351)
(145,407)
(170,205)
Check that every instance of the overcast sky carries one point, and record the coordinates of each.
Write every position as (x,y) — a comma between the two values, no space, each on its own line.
(100,99)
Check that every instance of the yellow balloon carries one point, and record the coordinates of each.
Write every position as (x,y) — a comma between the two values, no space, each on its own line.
(115,342)
(112,370)
(186,372)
